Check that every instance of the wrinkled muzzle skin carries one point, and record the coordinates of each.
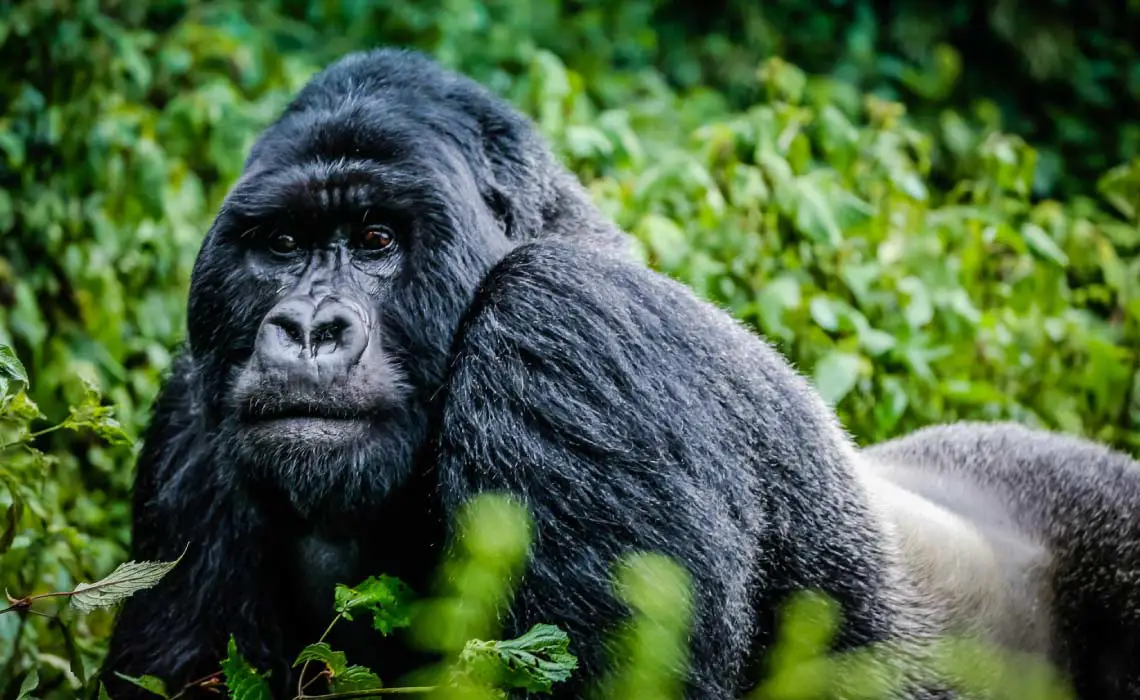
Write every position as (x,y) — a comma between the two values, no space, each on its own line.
(324,301)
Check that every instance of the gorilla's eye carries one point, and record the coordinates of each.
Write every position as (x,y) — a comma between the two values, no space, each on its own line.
(377,237)
(282,244)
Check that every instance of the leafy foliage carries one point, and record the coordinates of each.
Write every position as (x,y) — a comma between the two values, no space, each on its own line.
(386,599)
(534,661)
(342,677)
(242,680)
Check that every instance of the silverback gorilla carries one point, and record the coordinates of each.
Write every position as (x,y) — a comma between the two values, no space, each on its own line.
(405,301)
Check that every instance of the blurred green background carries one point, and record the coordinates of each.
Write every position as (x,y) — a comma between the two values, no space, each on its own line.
(933,209)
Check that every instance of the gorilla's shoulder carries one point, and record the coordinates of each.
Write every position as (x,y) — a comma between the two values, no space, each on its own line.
(622,325)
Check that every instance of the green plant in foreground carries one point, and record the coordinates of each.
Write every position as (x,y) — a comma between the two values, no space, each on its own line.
(29,529)
(474,585)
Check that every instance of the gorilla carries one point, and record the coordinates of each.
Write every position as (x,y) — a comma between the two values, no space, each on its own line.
(405,301)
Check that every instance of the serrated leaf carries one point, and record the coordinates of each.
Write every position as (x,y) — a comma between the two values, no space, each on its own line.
(343,677)
(242,680)
(322,652)
(533,662)
(126,580)
(10,365)
(151,684)
(355,678)
(386,598)
(836,375)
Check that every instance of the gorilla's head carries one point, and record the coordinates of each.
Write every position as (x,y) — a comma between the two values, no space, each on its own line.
(328,291)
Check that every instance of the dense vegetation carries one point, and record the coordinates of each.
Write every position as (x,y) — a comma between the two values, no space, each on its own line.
(933,211)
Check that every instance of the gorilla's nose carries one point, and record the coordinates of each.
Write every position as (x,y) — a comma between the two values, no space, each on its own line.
(301,335)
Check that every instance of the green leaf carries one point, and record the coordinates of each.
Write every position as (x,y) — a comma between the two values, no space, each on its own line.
(99,419)
(920,309)
(823,313)
(103,694)
(386,598)
(665,238)
(242,680)
(355,678)
(814,216)
(776,298)
(533,662)
(343,677)
(875,341)
(10,365)
(836,375)
(23,409)
(322,652)
(892,405)
(152,684)
(1040,243)
(126,580)
(31,682)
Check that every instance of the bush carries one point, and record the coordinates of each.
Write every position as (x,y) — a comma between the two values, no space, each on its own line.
(909,264)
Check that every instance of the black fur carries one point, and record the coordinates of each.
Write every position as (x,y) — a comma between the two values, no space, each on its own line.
(512,348)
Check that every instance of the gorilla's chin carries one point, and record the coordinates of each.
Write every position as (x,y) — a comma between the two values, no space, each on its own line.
(324,463)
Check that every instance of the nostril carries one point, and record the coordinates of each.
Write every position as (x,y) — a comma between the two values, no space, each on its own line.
(327,337)
(329,331)
(293,331)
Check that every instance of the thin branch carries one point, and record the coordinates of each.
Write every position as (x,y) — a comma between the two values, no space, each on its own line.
(301,685)
(410,690)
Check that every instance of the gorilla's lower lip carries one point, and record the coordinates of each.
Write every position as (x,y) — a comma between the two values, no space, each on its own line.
(311,428)
(301,414)
(305,419)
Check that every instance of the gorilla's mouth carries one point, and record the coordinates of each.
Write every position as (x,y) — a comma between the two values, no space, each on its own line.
(300,412)
(301,424)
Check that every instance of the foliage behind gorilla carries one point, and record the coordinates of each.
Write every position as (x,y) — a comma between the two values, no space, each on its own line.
(405,301)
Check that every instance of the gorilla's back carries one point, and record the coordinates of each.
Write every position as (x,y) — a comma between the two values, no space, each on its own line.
(1033,530)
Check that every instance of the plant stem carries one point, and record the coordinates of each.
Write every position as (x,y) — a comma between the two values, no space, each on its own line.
(29,437)
(410,690)
(301,685)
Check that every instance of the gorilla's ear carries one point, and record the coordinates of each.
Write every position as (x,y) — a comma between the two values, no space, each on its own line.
(531,193)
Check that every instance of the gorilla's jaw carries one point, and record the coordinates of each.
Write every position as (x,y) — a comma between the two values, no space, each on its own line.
(327,465)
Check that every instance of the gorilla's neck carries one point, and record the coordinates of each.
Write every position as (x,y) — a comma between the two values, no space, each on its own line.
(315,551)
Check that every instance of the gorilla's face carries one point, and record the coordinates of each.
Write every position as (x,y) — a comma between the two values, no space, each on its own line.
(326,297)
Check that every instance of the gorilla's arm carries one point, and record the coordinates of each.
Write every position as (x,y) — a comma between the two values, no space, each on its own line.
(185,501)
(630,416)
